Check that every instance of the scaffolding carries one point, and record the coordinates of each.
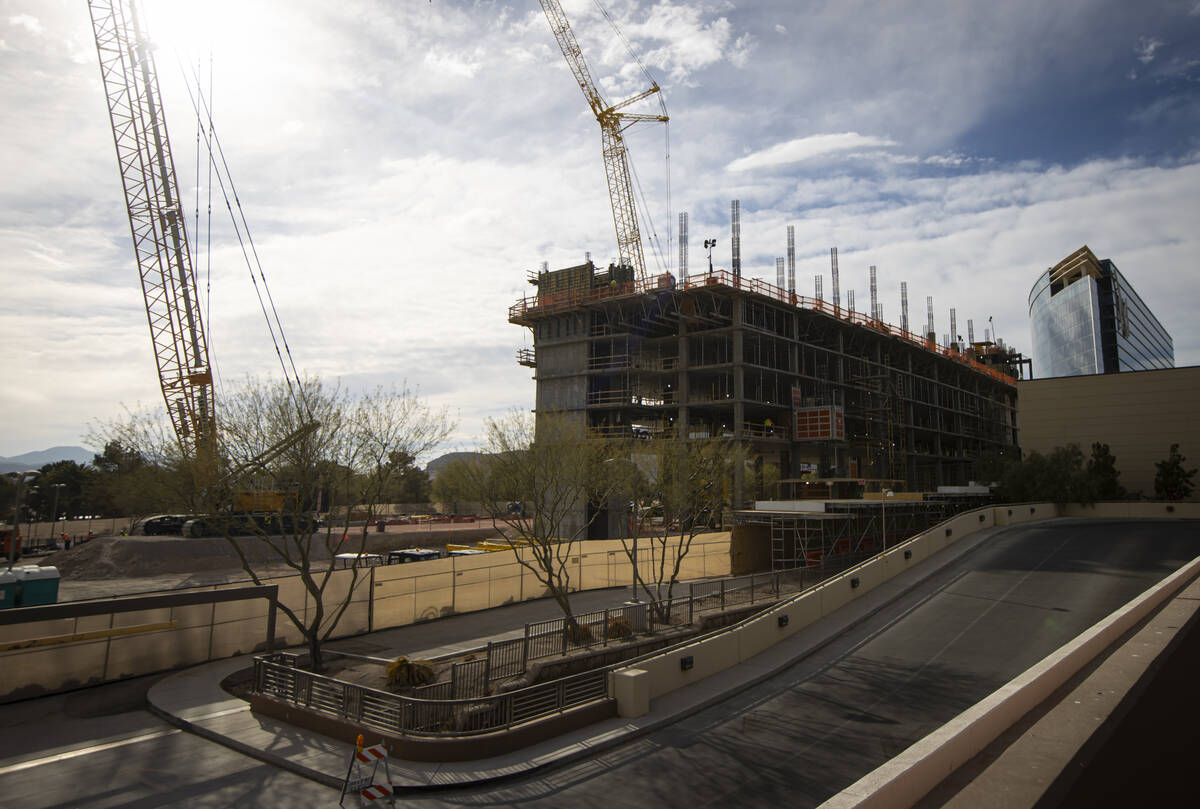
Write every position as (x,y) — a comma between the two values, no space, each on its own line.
(799,383)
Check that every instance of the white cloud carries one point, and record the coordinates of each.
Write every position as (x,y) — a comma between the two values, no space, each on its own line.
(27,21)
(1146,48)
(780,29)
(801,149)
(742,48)
(405,165)
(678,40)
(455,64)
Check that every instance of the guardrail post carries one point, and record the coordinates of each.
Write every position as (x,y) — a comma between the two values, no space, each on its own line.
(565,632)
(487,667)
(692,604)
(525,651)
(606,626)
(751,588)
(722,595)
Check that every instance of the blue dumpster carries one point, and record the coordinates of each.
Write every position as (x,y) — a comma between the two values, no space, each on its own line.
(8,590)
(39,585)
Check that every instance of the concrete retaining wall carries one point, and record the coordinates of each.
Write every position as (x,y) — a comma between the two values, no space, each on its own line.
(909,776)
(666,672)
(383,597)
(1135,510)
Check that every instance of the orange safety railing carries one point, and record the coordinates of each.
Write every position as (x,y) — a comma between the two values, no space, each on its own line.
(754,430)
(548,303)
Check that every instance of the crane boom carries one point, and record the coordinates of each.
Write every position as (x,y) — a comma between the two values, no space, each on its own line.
(612,123)
(156,221)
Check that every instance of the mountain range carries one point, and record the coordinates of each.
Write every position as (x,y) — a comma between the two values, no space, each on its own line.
(39,458)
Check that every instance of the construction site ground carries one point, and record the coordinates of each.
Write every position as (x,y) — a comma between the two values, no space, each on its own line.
(119,566)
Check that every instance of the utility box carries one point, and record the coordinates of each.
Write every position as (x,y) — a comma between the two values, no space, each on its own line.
(39,585)
(8,590)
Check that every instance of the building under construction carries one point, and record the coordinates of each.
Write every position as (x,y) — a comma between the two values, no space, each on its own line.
(806,386)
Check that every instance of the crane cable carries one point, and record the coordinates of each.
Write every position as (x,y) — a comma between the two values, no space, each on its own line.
(208,226)
(274,324)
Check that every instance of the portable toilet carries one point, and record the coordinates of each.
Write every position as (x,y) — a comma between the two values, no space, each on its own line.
(8,589)
(39,585)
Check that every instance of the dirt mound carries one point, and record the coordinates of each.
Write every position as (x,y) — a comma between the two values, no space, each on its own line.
(139,557)
(134,557)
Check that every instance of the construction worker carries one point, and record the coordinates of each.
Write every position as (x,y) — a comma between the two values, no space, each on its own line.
(66,540)
(90,536)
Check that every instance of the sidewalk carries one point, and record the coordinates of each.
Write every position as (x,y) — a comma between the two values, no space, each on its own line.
(194,700)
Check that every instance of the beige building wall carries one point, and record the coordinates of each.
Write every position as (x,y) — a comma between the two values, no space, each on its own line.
(1139,414)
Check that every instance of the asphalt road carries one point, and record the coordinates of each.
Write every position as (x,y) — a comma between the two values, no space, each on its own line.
(793,740)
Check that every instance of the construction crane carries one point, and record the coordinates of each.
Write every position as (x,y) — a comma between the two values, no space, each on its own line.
(613,121)
(156,222)
(160,243)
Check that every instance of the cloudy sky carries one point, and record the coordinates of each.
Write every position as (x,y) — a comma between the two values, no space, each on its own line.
(405,164)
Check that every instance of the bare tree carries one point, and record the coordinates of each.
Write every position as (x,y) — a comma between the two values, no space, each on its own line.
(687,485)
(547,482)
(338,453)
(287,453)
(151,473)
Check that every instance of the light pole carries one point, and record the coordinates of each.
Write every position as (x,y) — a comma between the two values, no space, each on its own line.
(883,513)
(635,529)
(709,244)
(54,509)
(19,478)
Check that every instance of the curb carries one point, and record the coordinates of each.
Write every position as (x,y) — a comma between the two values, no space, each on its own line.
(245,749)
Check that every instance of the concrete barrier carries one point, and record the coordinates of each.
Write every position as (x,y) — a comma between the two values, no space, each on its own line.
(1018,513)
(908,777)
(1134,510)
(733,645)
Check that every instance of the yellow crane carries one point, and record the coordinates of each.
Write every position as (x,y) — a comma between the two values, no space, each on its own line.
(613,121)
(160,242)
(156,222)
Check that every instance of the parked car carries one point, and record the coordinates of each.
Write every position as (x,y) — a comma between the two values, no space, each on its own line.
(164,524)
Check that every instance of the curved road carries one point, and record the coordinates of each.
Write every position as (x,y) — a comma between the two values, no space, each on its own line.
(792,740)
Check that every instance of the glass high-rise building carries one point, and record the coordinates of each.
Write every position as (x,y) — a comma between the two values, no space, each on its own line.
(1087,319)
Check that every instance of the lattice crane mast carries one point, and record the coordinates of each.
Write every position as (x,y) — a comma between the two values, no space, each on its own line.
(156,221)
(613,121)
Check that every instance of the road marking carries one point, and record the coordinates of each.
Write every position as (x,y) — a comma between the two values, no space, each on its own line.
(206,716)
(84,751)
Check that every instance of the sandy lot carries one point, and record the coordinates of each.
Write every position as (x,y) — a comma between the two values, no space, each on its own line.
(114,566)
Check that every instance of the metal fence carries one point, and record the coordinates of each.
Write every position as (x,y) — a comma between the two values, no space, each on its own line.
(462,705)
(277,676)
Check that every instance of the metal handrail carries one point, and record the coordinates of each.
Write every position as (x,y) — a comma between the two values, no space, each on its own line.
(424,717)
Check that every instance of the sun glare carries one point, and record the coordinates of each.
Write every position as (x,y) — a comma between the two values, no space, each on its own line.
(235,34)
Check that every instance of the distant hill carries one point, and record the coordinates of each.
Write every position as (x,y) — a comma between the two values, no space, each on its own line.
(36,460)
(439,463)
